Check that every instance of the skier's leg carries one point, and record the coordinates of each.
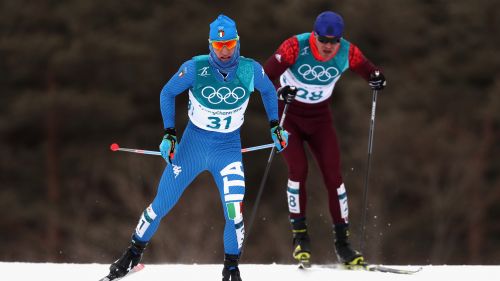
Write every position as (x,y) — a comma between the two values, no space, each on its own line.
(169,191)
(175,179)
(230,181)
(324,145)
(148,223)
(296,160)
(325,148)
(227,171)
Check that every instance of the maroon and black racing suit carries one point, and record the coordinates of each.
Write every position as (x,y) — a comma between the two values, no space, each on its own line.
(312,123)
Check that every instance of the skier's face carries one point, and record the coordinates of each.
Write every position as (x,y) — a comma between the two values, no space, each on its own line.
(224,49)
(224,54)
(327,45)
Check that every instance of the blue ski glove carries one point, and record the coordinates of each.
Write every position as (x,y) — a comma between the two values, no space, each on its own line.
(377,80)
(287,93)
(280,136)
(168,145)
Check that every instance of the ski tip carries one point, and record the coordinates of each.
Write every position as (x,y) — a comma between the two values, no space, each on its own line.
(304,265)
(382,268)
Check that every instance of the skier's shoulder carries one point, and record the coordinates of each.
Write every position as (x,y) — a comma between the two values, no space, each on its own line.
(200,58)
(251,63)
(247,60)
(198,61)
(188,65)
(303,36)
(346,45)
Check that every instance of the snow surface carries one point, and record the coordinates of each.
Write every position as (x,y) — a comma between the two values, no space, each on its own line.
(249,272)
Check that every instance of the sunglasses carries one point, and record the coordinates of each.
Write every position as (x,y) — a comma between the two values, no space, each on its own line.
(229,44)
(325,40)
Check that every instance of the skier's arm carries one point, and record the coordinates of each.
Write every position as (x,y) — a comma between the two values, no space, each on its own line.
(270,100)
(180,81)
(267,92)
(283,58)
(365,68)
(359,63)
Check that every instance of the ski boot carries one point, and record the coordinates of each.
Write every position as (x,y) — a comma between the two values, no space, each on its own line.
(129,259)
(301,243)
(231,272)
(346,255)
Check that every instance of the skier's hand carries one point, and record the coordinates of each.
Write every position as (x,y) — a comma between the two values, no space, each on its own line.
(280,136)
(377,80)
(287,93)
(168,145)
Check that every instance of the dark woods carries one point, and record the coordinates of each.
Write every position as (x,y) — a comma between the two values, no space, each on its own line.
(76,76)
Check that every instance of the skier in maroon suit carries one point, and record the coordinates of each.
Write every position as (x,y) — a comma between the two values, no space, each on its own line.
(312,63)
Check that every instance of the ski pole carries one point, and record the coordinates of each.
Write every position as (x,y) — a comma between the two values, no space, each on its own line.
(261,187)
(258,147)
(368,165)
(116,147)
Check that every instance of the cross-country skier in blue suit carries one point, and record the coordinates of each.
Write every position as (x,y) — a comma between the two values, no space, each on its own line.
(220,85)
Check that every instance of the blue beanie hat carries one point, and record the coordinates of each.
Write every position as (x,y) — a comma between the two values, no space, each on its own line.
(222,29)
(329,24)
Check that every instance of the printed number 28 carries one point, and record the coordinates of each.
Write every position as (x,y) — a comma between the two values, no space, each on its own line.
(216,122)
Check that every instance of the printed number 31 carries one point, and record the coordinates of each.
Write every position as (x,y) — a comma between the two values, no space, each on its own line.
(216,122)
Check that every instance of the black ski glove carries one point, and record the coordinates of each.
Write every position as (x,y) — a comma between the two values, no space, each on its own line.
(377,80)
(287,93)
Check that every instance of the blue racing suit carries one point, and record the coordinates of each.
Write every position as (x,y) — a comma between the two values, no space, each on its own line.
(211,140)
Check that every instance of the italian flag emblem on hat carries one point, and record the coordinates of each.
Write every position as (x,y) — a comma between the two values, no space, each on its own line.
(221,33)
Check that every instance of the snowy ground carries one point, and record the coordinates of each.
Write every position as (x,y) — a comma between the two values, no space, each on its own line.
(249,272)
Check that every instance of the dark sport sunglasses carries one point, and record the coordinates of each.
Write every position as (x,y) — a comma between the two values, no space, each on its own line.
(325,40)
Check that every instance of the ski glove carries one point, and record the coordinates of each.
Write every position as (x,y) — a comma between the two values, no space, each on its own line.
(280,136)
(377,80)
(168,145)
(287,93)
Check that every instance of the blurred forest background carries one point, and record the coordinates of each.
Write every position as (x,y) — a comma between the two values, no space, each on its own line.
(78,75)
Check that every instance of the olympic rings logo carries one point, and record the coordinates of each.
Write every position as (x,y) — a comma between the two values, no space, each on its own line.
(318,72)
(223,94)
